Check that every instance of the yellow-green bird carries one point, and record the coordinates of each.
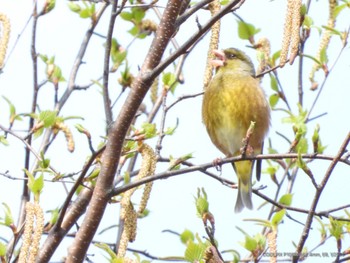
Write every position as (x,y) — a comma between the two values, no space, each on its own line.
(232,100)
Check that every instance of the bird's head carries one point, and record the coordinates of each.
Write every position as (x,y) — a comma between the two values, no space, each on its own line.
(233,59)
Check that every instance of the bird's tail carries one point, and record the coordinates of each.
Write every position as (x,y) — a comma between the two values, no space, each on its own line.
(244,173)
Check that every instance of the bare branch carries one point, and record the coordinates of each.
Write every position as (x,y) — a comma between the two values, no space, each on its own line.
(319,191)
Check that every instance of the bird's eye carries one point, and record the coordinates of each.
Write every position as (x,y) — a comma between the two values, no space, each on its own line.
(231,56)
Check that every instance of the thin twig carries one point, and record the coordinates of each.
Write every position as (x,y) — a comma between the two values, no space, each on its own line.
(319,191)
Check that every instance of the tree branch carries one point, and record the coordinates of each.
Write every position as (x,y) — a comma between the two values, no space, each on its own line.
(118,132)
(319,191)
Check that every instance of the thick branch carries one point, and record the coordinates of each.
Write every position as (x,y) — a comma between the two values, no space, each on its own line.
(118,132)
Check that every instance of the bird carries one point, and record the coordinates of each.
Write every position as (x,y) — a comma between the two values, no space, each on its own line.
(231,101)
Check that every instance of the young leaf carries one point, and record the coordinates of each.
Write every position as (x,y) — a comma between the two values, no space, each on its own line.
(48,118)
(2,249)
(273,99)
(246,31)
(250,243)
(186,236)
(202,204)
(8,220)
(286,199)
(194,252)
(277,218)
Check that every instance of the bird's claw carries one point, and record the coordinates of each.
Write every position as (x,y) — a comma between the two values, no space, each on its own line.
(217,164)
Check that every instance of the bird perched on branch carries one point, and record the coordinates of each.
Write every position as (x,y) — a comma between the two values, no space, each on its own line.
(233,101)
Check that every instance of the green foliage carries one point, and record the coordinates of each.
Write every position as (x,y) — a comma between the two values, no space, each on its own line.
(80,128)
(169,81)
(300,129)
(112,255)
(49,6)
(308,22)
(186,236)
(35,185)
(224,2)
(246,31)
(195,251)
(255,244)
(87,10)
(54,216)
(44,163)
(323,229)
(202,204)
(286,199)
(336,228)
(273,100)
(47,117)
(275,56)
(3,249)
(135,16)
(8,220)
(13,115)
(175,163)
(277,218)
(129,148)
(118,54)
(148,130)
(340,7)
(3,140)
(53,72)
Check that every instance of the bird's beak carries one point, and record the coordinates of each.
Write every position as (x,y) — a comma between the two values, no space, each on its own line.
(220,58)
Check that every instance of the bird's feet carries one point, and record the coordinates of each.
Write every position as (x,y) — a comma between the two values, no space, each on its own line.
(217,164)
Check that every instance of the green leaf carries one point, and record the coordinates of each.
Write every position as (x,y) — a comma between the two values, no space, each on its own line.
(286,199)
(149,129)
(2,249)
(246,31)
(308,22)
(107,249)
(134,31)
(13,115)
(323,56)
(170,130)
(273,83)
(338,9)
(45,163)
(138,14)
(8,220)
(275,57)
(273,100)
(35,184)
(126,16)
(302,146)
(186,236)
(3,140)
(250,243)
(54,216)
(332,30)
(50,4)
(202,204)
(169,81)
(277,218)
(85,13)
(48,118)
(194,252)
(323,230)
(74,7)
(44,58)
(336,228)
